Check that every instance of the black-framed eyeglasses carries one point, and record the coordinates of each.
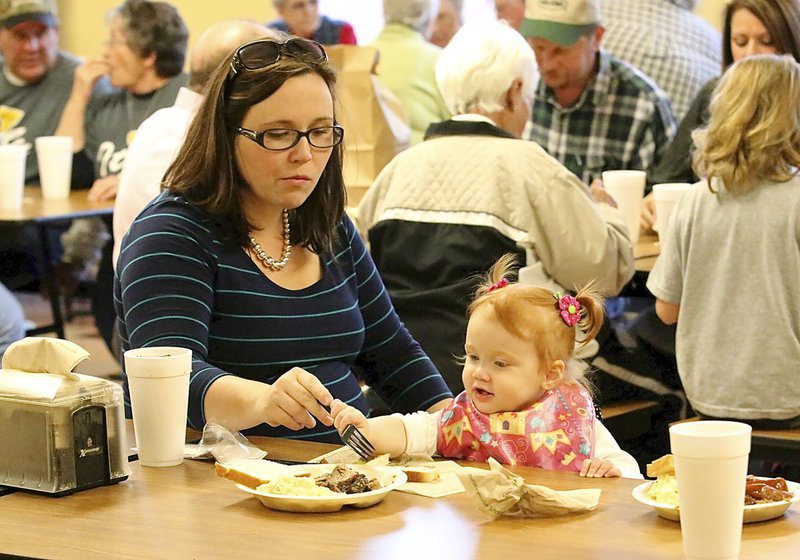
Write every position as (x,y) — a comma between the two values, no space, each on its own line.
(280,139)
(263,52)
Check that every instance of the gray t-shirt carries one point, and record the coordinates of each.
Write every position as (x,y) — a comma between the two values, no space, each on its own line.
(112,120)
(27,112)
(732,262)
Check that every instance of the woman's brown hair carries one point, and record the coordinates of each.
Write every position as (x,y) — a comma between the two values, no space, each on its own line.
(205,171)
(780,17)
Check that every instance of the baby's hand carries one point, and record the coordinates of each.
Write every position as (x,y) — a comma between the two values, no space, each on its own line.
(344,415)
(599,468)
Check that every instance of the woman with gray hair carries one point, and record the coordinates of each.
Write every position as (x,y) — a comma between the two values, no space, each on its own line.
(446,209)
(408,61)
(143,58)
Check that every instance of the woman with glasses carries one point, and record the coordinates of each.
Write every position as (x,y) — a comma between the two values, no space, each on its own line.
(248,259)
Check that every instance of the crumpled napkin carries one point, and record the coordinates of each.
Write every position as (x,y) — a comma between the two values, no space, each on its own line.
(222,445)
(500,492)
(44,355)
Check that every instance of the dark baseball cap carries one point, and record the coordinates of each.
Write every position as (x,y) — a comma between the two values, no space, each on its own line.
(14,12)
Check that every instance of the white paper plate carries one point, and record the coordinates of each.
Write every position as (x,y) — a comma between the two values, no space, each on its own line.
(752,514)
(388,477)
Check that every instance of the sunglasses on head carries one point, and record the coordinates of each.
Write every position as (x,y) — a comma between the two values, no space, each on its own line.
(263,52)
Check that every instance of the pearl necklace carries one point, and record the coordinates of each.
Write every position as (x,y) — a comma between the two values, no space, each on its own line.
(268,261)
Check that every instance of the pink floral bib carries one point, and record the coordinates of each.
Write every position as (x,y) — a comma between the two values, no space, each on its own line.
(556,432)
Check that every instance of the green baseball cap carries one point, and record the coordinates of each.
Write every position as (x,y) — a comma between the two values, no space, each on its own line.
(559,21)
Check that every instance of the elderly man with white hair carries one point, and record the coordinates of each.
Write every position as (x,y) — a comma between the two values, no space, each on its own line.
(407,62)
(446,209)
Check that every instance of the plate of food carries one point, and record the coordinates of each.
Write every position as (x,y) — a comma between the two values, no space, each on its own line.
(315,488)
(765,498)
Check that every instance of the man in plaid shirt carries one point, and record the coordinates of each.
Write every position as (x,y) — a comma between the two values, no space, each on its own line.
(592,111)
(678,49)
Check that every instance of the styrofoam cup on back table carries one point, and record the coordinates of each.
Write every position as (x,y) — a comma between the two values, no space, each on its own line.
(627,188)
(12,176)
(54,158)
(666,196)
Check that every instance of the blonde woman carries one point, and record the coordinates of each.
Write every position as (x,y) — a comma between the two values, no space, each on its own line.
(728,272)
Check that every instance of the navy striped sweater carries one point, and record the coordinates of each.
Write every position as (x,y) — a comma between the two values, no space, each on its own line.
(178,284)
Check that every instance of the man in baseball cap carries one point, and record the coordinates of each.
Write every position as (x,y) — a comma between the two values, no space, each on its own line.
(560,21)
(593,113)
(613,116)
(28,37)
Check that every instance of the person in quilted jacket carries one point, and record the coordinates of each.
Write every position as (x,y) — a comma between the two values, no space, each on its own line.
(441,212)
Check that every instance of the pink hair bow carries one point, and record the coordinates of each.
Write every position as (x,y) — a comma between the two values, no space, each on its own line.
(570,308)
(502,283)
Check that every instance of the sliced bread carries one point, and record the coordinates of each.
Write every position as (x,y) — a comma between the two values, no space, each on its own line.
(421,474)
(662,466)
(251,472)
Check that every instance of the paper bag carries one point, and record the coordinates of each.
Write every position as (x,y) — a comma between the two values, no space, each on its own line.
(376,125)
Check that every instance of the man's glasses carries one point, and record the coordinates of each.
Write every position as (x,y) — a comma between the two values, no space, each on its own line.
(263,52)
(280,139)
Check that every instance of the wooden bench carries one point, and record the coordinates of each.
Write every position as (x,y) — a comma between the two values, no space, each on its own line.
(628,419)
(781,446)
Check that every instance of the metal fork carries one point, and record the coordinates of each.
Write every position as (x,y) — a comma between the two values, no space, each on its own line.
(356,441)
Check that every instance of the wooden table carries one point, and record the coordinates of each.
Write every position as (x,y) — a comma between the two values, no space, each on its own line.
(47,213)
(646,251)
(188,512)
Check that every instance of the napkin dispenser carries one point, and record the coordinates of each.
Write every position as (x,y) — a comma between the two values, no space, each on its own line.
(60,433)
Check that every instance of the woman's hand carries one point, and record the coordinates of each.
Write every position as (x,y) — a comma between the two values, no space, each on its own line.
(599,468)
(87,74)
(344,415)
(294,400)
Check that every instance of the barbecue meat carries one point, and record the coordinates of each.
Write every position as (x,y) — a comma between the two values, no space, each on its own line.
(345,480)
